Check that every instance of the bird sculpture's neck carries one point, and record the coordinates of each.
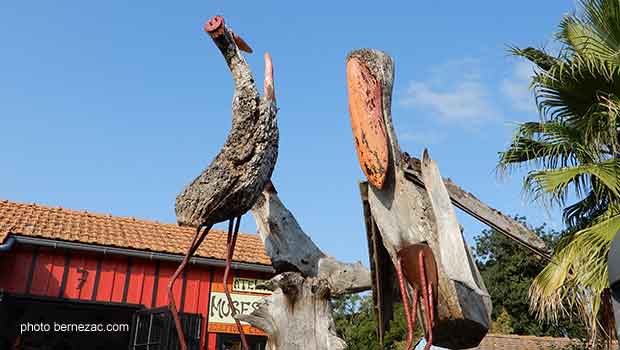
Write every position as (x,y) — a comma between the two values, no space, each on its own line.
(245,87)
(251,117)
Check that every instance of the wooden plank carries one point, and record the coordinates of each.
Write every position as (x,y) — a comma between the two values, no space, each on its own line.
(71,289)
(106,279)
(15,267)
(165,274)
(191,293)
(41,275)
(454,258)
(381,269)
(149,284)
(136,281)
(56,273)
(118,282)
(482,212)
(91,261)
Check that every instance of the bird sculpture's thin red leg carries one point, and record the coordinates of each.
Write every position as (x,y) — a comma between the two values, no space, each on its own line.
(405,297)
(427,298)
(196,241)
(431,308)
(231,241)
(414,309)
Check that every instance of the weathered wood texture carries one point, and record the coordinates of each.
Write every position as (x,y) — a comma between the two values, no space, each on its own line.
(481,211)
(404,215)
(291,249)
(235,178)
(455,256)
(384,283)
(298,315)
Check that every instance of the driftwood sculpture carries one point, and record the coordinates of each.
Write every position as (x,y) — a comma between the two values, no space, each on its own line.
(232,183)
(418,227)
(298,314)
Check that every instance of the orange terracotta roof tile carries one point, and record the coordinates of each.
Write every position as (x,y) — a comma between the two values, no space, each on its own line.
(80,226)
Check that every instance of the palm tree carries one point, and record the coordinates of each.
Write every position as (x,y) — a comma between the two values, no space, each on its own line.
(573,156)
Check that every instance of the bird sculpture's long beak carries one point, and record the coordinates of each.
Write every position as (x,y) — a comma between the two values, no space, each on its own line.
(241,44)
(269,89)
(215,28)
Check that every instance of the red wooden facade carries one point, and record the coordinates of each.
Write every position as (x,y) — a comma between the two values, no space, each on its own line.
(107,278)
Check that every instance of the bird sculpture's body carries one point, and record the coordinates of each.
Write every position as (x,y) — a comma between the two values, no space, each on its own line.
(234,180)
(417,225)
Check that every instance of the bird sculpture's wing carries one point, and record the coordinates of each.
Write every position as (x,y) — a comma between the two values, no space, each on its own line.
(452,247)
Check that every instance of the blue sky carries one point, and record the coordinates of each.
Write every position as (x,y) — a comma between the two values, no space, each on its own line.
(113,106)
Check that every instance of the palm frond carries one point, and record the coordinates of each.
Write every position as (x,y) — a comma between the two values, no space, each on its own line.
(555,184)
(596,31)
(546,145)
(581,214)
(539,57)
(578,268)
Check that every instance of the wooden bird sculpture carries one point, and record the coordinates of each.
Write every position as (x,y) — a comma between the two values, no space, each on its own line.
(234,180)
(417,225)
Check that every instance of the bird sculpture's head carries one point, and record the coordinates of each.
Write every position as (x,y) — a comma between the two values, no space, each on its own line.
(216,29)
(230,44)
(370,74)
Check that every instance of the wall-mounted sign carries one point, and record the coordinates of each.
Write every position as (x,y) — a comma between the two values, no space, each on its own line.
(246,298)
(248,285)
(219,311)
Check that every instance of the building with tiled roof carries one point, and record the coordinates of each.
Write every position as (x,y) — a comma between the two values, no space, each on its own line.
(61,266)
(33,220)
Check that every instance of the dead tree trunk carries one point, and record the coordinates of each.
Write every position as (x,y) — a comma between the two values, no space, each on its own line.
(298,314)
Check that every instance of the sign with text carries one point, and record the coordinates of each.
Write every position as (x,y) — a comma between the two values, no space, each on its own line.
(220,312)
(248,285)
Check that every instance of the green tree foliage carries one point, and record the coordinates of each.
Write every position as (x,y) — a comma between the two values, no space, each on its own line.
(573,156)
(508,271)
(355,323)
(502,324)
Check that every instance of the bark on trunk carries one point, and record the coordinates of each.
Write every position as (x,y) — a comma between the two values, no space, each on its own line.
(297,315)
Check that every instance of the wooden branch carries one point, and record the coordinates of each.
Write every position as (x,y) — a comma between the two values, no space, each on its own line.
(482,212)
(291,249)
(298,315)
(344,278)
